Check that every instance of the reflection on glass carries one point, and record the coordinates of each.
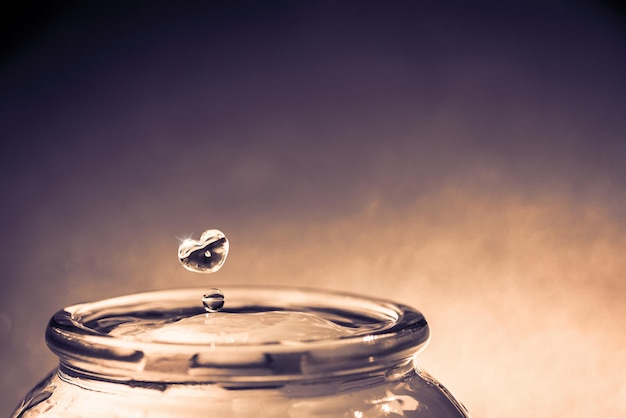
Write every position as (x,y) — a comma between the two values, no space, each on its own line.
(280,352)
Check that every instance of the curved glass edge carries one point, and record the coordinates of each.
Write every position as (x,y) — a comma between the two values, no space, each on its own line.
(410,393)
(84,350)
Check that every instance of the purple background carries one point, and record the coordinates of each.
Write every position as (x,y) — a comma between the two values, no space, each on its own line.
(464,159)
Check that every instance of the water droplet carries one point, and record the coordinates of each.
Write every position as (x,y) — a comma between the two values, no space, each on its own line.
(213,300)
(206,255)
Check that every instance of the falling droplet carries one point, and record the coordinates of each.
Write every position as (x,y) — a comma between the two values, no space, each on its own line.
(206,255)
(213,300)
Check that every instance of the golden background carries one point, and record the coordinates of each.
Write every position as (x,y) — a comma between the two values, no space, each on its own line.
(466,160)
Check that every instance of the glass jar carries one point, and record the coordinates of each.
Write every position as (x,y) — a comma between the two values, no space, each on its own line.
(271,352)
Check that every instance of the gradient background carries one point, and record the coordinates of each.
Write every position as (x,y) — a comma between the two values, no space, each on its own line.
(466,160)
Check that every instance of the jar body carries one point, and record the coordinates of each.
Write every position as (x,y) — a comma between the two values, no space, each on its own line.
(271,352)
(411,393)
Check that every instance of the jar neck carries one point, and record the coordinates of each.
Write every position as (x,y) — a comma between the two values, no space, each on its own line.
(228,379)
(269,367)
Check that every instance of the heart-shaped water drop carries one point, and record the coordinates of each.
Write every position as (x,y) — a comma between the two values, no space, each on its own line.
(205,255)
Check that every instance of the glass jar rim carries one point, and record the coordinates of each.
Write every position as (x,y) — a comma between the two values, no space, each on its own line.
(395,334)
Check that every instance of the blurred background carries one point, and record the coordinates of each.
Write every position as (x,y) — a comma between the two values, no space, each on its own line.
(466,159)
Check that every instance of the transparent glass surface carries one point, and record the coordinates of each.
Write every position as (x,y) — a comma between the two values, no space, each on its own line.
(271,352)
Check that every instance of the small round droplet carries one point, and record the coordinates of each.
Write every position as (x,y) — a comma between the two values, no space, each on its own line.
(205,255)
(213,300)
